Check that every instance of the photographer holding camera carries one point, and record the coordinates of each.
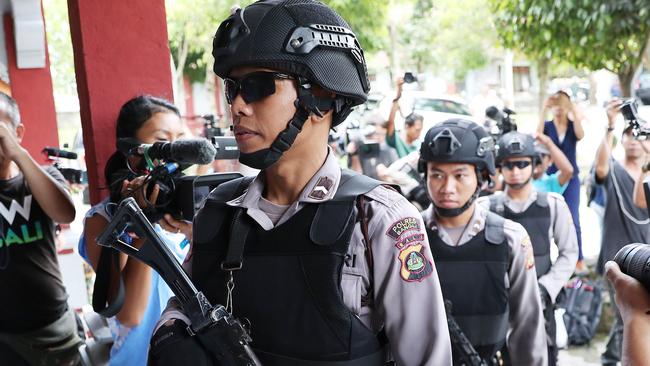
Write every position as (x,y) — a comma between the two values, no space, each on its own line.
(406,143)
(624,222)
(36,325)
(146,119)
(565,130)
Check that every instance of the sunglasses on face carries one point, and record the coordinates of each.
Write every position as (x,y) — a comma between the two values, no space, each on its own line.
(520,164)
(253,87)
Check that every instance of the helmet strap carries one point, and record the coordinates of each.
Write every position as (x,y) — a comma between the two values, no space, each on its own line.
(306,104)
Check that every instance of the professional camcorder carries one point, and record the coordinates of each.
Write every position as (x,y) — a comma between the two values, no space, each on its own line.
(638,126)
(163,162)
(504,122)
(74,176)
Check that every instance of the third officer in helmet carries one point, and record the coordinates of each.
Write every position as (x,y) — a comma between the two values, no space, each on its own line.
(485,263)
(329,267)
(546,218)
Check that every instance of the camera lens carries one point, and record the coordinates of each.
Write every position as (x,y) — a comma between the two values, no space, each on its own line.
(634,260)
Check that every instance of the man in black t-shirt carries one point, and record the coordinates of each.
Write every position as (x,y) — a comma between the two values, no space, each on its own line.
(36,325)
(623,222)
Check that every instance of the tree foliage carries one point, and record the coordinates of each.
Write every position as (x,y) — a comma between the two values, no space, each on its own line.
(596,34)
(447,35)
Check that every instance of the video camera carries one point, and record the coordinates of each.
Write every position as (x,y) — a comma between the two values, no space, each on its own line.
(163,162)
(74,176)
(638,126)
(504,122)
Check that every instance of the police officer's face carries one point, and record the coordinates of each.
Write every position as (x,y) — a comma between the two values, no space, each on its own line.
(257,124)
(451,185)
(513,174)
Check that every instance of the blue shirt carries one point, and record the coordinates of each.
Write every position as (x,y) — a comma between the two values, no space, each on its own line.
(131,344)
(550,183)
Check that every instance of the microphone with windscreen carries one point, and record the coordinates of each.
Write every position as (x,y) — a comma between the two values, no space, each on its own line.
(195,151)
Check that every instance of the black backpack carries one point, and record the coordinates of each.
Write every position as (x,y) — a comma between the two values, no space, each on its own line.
(582,300)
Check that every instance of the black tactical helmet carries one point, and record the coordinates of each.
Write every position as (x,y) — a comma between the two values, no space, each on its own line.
(301,37)
(516,144)
(458,141)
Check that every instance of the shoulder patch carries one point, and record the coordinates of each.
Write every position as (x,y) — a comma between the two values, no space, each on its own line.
(415,266)
(398,228)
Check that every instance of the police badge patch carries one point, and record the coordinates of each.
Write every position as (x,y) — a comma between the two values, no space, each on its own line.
(415,265)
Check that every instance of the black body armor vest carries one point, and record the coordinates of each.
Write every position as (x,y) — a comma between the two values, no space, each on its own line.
(537,222)
(289,284)
(472,277)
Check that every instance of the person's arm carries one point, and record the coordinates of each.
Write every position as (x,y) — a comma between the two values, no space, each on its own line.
(559,159)
(353,153)
(542,117)
(604,153)
(390,127)
(527,337)
(50,195)
(578,118)
(633,302)
(564,235)
(639,192)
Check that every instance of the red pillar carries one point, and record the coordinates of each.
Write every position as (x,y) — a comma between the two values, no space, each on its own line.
(120,51)
(32,89)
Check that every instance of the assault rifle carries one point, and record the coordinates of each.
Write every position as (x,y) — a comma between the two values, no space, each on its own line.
(462,345)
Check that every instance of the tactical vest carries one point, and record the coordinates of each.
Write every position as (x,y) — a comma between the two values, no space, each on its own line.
(472,277)
(537,222)
(289,285)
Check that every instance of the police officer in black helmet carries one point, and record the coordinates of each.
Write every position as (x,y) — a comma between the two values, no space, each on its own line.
(329,267)
(485,263)
(546,218)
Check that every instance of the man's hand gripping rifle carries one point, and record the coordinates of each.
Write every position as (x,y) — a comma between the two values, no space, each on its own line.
(233,337)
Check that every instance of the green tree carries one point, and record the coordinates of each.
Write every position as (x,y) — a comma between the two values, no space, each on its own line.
(57,27)
(597,34)
(368,20)
(447,35)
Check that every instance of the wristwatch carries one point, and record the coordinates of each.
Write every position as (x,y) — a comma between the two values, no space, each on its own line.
(610,128)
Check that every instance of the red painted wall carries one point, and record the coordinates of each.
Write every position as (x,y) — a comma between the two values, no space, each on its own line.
(32,89)
(120,51)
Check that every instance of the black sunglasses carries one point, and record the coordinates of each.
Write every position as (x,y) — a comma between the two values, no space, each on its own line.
(521,164)
(253,87)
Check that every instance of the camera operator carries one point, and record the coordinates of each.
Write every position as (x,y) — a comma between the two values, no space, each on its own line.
(633,303)
(624,222)
(147,119)
(321,281)
(36,325)
(406,143)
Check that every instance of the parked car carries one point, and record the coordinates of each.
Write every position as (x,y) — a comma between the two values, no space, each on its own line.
(434,108)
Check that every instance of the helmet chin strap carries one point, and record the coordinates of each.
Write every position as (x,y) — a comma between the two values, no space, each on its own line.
(453,212)
(522,185)
(306,104)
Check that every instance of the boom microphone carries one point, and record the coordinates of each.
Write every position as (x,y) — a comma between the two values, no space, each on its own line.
(197,151)
(54,152)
